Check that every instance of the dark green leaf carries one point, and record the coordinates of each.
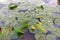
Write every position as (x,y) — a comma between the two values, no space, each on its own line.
(25,25)
(12,6)
(20,34)
(40,7)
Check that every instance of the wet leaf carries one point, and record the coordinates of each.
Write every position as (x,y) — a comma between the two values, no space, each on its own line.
(12,6)
(25,25)
(19,34)
(40,7)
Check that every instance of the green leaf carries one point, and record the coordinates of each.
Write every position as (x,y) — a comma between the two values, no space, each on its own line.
(12,6)
(25,25)
(17,29)
(40,7)
(20,34)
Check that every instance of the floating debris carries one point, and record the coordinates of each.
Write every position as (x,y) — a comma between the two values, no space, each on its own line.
(33,27)
(25,25)
(41,27)
(40,16)
(18,31)
(40,7)
(38,19)
(12,6)
(16,18)
(19,34)
(9,28)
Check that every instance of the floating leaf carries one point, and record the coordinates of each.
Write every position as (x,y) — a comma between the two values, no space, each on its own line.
(12,6)
(40,7)
(9,28)
(25,25)
(17,29)
(19,34)
(33,28)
